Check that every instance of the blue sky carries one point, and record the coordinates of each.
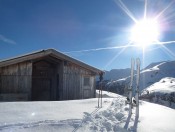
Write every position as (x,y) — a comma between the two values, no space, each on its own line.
(79,25)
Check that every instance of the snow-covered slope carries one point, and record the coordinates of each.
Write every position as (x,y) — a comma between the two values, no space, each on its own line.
(84,116)
(149,76)
(162,92)
(165,85)
(153,65)
(116,74)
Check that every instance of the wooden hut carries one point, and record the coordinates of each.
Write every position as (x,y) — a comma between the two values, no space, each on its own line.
(45,76)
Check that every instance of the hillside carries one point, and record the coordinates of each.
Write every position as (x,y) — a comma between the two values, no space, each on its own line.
(84,116)
(152,65)
(148,76)
(116,74)
(162,92)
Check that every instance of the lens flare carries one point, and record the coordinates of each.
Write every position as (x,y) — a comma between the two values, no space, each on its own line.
(145,32)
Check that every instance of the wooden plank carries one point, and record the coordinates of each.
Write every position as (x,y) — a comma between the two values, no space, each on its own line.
(77,62)
(13,97)
(73,82)
(14,78)
(29,79)
(23,58)
(61,79)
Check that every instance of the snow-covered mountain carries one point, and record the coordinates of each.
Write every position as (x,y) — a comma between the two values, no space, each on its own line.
(116,74)
(162,92)
(154,73)
(152,65)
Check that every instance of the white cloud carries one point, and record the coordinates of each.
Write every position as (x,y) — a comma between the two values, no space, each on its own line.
(6,40)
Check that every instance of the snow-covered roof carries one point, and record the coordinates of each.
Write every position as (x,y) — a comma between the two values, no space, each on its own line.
(48,52)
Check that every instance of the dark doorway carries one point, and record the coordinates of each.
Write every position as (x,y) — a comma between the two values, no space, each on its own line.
(43,80)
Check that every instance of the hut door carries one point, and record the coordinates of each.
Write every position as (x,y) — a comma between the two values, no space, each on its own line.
(43,73)
(87,87)
(41,90)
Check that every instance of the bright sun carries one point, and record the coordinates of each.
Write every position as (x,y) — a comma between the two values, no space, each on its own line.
(145,32)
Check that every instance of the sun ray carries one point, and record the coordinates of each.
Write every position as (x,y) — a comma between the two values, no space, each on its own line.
(98,49)
(159,45)
(145,9)
(130,44)
(143,57)
(168,52)
(143,65)
(117,55)
(166,42)
(126,10)
(152,49)
(163,11)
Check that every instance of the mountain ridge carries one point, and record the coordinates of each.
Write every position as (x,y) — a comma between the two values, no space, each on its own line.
(115,74)
(154,73)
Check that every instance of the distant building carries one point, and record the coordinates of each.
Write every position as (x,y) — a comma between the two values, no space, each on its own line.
(45,76)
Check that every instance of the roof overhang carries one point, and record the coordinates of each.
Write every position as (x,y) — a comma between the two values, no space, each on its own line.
(48,52)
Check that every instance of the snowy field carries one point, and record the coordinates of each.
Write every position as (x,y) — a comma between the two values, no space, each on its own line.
(83,115)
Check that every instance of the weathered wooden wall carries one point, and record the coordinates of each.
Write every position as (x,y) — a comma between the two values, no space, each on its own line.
(60,81)
(16,80)
(73,87)
(68,83)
